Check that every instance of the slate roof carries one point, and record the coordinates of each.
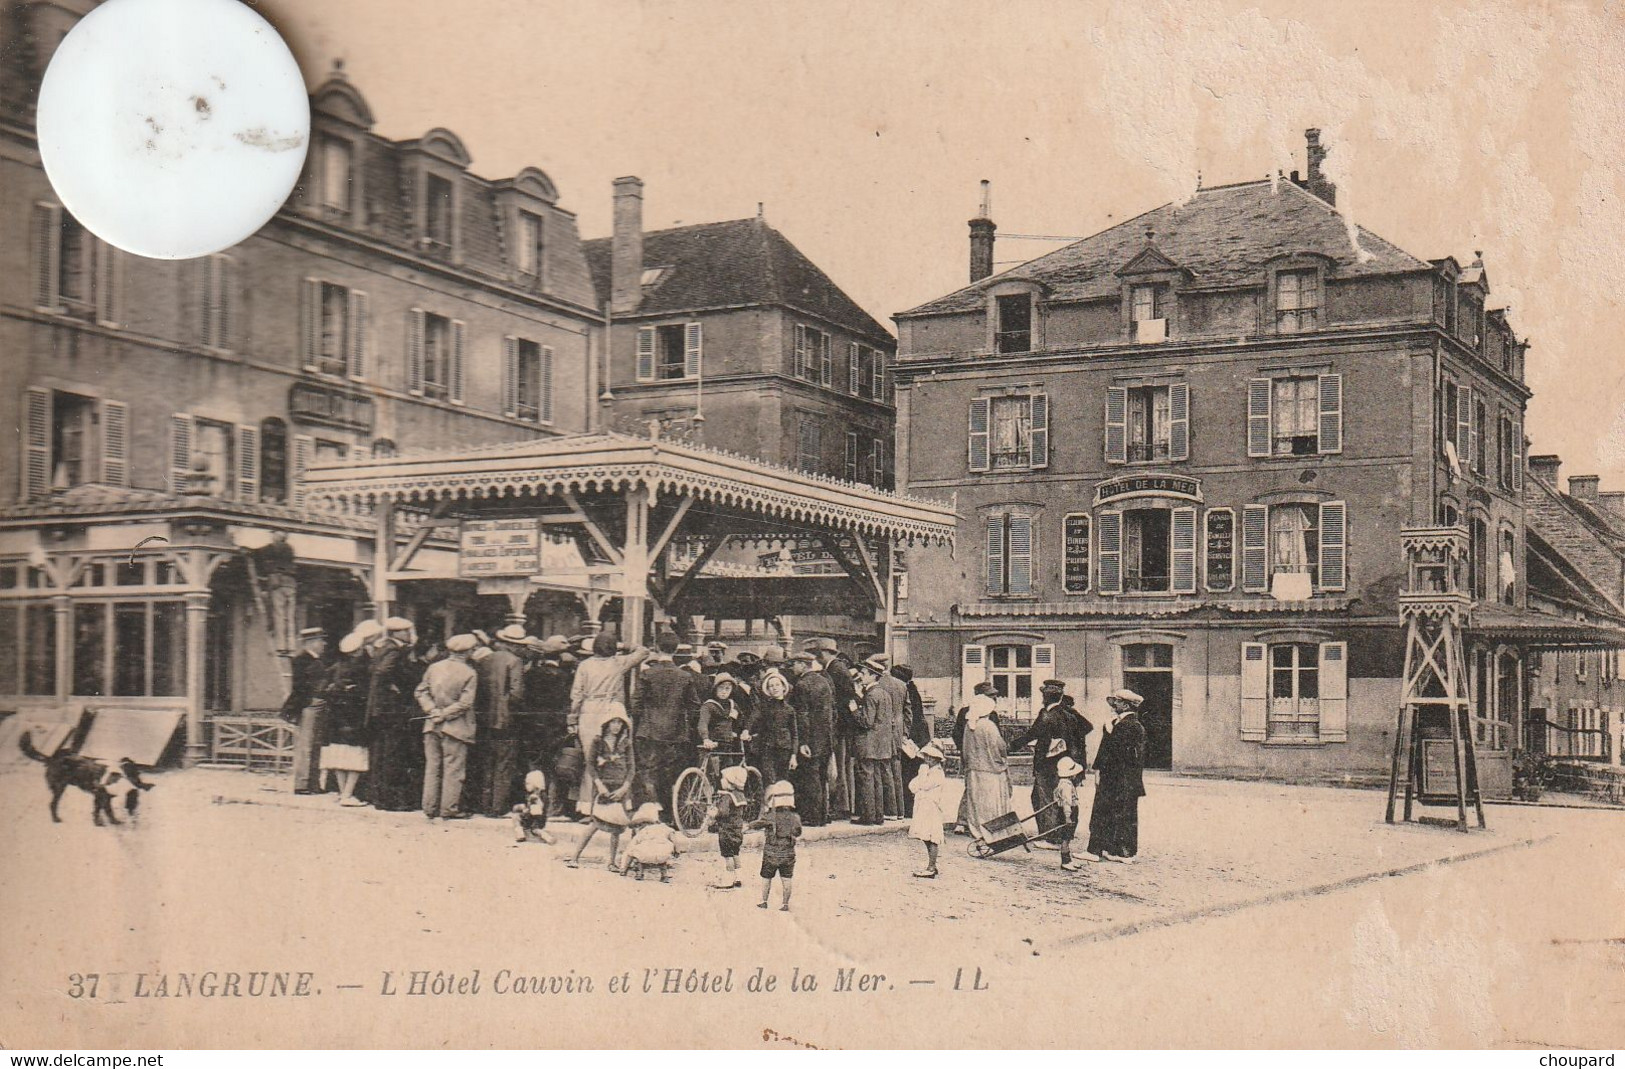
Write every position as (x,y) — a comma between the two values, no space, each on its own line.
(741,262)
(1223,236)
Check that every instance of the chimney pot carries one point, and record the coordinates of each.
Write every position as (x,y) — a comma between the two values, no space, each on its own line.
(981,237)
(1584,487)
(626,246)
(1314,181)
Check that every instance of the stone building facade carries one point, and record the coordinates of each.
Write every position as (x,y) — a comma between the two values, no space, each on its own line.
(1182,451)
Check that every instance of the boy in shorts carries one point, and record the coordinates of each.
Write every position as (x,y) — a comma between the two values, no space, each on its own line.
(783,826)
(728,818)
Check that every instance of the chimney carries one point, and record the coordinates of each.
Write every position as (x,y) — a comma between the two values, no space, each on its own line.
(1544,468)
(1314,181)
(1584,487)
(626,247)
(1614,502)
(981,237)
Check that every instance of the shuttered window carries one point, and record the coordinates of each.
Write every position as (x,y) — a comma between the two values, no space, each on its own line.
(527,380)
(812,358)
(70,440)
(852,456)
(1009,554)
(435,356)
(1295,415)
(1009,433)
(215,312)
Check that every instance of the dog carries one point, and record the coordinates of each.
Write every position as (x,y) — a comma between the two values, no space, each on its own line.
(530,816)
(96,778)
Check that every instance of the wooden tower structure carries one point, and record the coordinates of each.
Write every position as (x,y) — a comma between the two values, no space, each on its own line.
(1433,745)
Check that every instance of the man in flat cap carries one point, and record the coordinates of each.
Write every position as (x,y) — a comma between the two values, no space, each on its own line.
(1058,731)
(301,709)
(814,701)
(872,743)
(838,670)
(446,697)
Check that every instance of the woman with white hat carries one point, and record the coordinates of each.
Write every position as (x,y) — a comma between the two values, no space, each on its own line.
(987,762)
(1114,822)
(928,787)
(346,695)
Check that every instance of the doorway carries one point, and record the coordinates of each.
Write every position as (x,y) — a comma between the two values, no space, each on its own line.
(1148,670)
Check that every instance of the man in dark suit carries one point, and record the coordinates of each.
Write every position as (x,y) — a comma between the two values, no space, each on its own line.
(814,701)
(668,700)
(1058,731)
(309,677)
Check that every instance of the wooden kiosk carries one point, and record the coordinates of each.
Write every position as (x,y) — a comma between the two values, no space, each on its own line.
(1433,745)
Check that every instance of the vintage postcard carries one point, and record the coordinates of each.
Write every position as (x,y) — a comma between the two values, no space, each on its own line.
(881,525)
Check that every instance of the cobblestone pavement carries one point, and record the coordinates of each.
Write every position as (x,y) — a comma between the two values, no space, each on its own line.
(1298,900)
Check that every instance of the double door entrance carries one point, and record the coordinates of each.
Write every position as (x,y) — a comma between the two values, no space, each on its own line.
(1148,670)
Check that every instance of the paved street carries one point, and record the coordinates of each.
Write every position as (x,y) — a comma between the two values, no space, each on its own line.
(1259,915)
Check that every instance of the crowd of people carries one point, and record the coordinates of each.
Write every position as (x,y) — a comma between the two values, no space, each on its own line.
(454,728)
(582,728)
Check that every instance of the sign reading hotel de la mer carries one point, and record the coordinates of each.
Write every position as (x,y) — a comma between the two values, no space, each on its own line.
(1141,485)
(499,547)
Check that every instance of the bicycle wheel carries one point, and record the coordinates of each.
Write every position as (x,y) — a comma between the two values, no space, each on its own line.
(753,794)
(690,798)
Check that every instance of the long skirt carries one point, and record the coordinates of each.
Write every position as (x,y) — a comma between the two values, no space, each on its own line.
(987,795)
(395,780)
(1114,825)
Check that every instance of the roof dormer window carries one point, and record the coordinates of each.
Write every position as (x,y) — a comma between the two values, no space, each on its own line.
(437,210)
(337,157)
(1014,332)
(1148,311)
(1297,301)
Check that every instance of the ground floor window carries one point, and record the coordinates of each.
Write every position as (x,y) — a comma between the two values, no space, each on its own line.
(129,649)
(1010,668)
(1294,691)
(27,649)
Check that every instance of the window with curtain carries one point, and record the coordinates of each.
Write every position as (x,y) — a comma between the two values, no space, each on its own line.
(1296,409)
(1297,301)
(1011,432)
(1294,708)
(1295,540)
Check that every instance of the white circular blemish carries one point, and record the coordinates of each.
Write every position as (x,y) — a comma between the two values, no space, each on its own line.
(173,128)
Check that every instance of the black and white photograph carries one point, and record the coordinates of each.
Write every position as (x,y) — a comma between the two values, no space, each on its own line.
(654,524)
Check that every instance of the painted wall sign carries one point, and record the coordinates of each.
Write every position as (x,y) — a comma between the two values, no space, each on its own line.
(1148,486)
(499,547)
(1076,538)
(1220,549)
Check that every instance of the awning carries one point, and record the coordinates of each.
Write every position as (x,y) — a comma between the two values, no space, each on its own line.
(1544,632)
(593,463)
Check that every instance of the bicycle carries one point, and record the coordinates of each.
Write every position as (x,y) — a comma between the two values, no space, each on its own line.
(693,792)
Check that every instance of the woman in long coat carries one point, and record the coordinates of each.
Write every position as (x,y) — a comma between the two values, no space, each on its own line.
(987,762)
(1114,823)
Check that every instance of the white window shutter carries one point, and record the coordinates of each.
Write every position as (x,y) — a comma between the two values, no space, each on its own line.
(1255,523)
(1517,456)
(1109,551)
(458,329)
(1333,545)
(1331,414)
(37,451)
(799,363)
(852,368)
(1260,399)
(248,463)
(1179,421)
(225,323)
(825,359)
(510,376)
(109,284)
(878,366)
(180,451)
(202,276)
(646,354)
(980,414)
(1043,663)
(852,456)
(1183,554)
(546,388)
(360,335)
(995,553)
(972,670)
(1255,682)
(1116,424)
(1038,424)
(693,350)
(303,448)
(877,462)
(414,351)
(1334,692)
(47,255)
(310,322)
(115,443)
(1022,554)
(1464,422)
